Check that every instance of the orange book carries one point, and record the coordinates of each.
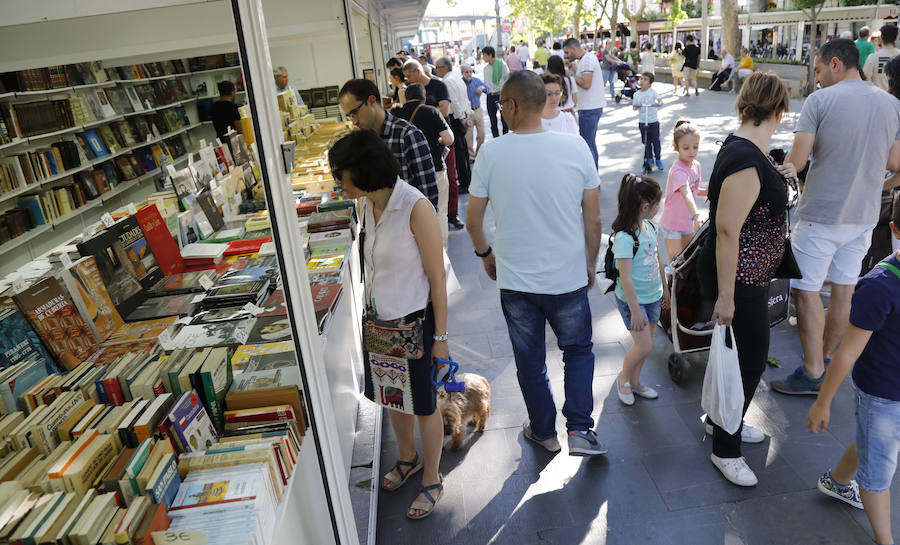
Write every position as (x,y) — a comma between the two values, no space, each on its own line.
(61,465)
(156,520)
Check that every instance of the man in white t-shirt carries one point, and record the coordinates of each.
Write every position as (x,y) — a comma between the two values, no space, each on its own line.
(876,62)
(524,54)
(585,68)
(543,261)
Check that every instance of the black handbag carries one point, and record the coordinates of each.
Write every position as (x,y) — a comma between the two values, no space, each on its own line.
(788,268)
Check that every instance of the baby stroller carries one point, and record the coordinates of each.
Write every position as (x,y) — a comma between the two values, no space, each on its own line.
(631,81)
(688,321)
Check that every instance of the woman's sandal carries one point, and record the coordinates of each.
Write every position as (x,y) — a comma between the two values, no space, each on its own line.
(427,506)
(414,465)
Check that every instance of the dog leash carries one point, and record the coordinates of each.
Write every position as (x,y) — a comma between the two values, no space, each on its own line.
(447,378)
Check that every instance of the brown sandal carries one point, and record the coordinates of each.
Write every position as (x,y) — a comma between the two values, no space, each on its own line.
(427,506)
(414,465)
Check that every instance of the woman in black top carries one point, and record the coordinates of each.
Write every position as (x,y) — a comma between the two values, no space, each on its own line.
(748,207)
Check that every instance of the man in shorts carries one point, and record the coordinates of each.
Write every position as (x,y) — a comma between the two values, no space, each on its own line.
(872,341)
(841,200)
(691,64)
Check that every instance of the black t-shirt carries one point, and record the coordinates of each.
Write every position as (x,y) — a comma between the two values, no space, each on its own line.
(224,114)
(692,56)
(435,92)
(430,121)
(761,241)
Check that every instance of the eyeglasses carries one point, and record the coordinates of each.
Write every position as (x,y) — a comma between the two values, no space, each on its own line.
(554,93)
(502,100)
(355,111)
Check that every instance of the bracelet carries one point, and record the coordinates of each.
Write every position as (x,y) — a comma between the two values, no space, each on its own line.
(486,252)
(441,338)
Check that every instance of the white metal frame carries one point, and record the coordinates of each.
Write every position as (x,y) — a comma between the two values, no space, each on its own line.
(254,49)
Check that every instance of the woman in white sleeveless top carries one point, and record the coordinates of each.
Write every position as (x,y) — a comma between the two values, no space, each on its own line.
(404,277)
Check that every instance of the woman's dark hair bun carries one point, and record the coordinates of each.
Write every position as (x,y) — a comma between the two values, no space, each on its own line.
(681,122)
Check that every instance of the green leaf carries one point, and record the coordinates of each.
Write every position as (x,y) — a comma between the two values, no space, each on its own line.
(773,362)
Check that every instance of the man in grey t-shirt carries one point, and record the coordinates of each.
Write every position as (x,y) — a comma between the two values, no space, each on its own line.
(850,132)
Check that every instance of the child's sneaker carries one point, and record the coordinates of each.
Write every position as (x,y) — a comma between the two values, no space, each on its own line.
(659,165)
(847,493)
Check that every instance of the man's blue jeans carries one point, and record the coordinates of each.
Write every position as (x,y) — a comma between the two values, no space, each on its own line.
(609,78)
(569,316)
(587,128)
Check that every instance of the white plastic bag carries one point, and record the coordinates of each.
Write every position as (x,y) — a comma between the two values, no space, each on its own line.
(723,391)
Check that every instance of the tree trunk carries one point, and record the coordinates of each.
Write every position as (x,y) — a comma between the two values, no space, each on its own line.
(730,31)
(811,69)
(614,17)
(704,28)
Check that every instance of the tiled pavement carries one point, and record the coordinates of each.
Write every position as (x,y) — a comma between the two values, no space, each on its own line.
(656,485)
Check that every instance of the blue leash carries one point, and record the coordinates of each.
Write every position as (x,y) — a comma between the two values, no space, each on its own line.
(447,378)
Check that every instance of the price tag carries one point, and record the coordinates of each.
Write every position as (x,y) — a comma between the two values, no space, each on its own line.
(107,220)
(197,298)
(165,339)
(202,142)
(252,309)
(179,537)
(65,259)
(241,334)
(205,282)
(19,285)
(132,209)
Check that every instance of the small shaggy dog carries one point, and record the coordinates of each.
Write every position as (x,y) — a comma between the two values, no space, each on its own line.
(473,405)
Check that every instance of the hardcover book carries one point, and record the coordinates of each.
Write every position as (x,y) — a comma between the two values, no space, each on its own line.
(18,340)
(52,313)
(91,298)
(160,307)
(190,424)
(175,284)
(160,239)
(115,269)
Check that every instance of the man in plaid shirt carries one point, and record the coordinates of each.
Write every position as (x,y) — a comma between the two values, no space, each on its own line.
(361,103)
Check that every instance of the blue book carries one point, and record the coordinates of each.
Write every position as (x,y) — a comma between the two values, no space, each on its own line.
(33,203)
(93,140)
(164,489)
(101,388)
(29,374)
(18,340)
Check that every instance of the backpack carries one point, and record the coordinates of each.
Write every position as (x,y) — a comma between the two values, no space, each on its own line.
(610,270)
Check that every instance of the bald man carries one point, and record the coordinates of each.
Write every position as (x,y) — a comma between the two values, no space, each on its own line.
(531,224)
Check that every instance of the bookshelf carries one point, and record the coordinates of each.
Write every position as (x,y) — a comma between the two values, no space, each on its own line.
(17,251)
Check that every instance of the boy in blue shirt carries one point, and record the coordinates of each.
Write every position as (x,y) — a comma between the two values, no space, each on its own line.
(873,343)
(646,101)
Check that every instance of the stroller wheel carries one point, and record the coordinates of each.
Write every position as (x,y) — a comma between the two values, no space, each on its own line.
(677,365)
(618,99)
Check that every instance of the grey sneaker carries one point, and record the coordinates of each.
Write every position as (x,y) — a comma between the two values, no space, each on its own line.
(550,444)
(848,493)
(798,383)
(585,443)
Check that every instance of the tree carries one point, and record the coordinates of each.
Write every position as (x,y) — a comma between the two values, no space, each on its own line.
(634,17)
(676,16)
(730,33)
(812,9)
(614,20)
(552,16)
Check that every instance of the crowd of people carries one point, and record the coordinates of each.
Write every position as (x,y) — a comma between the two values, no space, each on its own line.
(552,119)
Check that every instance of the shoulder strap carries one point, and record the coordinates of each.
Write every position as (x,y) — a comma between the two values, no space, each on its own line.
(890,267)
(637,243)
(413,116)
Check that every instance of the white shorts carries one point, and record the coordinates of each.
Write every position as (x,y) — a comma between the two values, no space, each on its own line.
(669,234)
(829,252)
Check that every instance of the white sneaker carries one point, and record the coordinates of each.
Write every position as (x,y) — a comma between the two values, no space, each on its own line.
(735,470)
(749,434)
(627,399)
(645,391)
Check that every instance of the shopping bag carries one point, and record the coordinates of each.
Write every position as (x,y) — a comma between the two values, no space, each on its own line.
(723,391)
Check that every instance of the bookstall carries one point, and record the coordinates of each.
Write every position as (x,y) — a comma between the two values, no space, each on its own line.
(179,314)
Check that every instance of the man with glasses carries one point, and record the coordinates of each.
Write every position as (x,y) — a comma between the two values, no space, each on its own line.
(360,101)
(544,263)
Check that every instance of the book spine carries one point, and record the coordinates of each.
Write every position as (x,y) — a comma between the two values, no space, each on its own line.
(212,403)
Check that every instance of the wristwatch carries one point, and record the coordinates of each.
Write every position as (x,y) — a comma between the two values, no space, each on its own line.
(441,338)
(486,252)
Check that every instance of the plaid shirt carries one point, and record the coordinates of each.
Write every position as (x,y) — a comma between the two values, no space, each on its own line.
(411,149)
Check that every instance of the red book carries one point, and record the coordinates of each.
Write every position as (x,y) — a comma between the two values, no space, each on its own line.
(114,391)
(156,520)
(160,239)
(249,246)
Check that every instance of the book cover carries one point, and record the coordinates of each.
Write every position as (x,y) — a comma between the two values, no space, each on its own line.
(18,340)
(190,423)
(268,329)
(263,357)
(163,306)
(163,246)
(144,330)
(214,334)
(115,269)
(215,378)
(96,144)
(57,321)
(137,250)
(164,487)
(274,305)
(175,284)
(205,200)
(90,296)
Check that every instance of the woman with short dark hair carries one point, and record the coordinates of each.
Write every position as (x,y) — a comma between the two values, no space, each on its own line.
(404,282)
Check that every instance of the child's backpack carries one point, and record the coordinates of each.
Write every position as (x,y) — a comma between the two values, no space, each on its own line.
(609,261)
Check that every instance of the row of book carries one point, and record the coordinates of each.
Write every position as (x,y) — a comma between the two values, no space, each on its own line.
(90,73)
